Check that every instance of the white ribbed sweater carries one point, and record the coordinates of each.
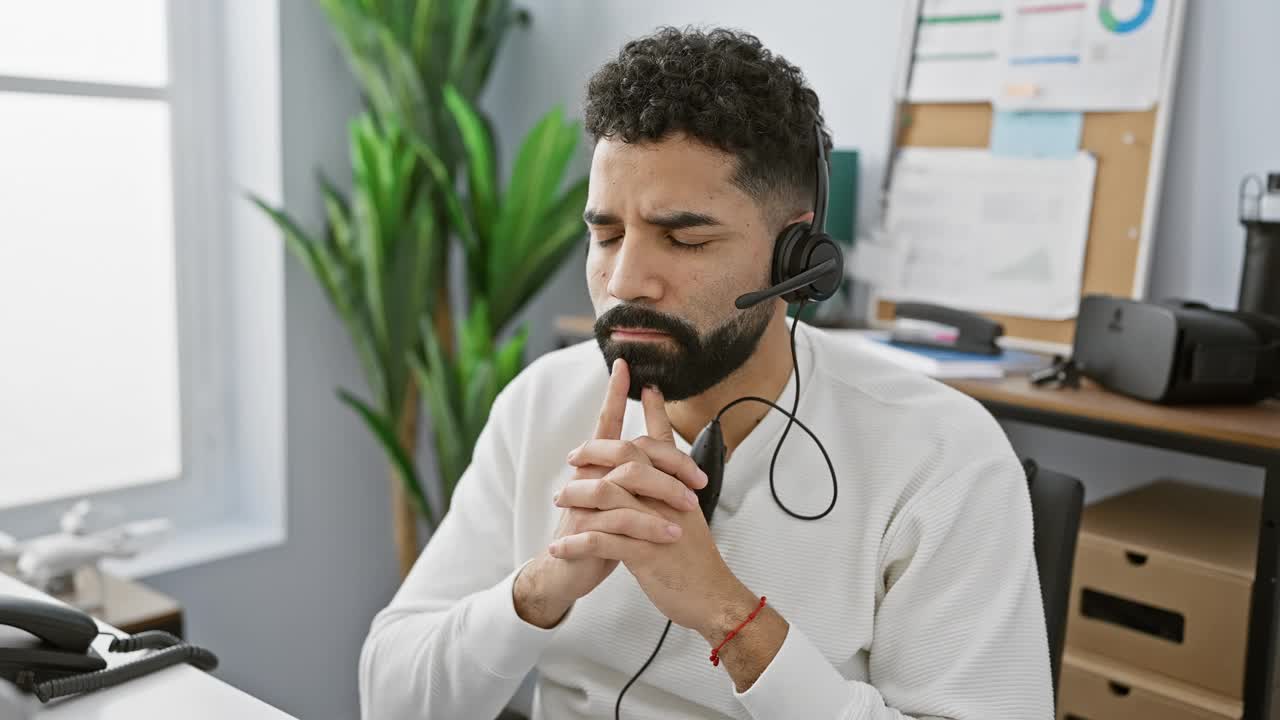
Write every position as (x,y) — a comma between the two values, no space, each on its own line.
(916,597)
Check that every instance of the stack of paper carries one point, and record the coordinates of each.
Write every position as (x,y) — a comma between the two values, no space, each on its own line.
(945,363)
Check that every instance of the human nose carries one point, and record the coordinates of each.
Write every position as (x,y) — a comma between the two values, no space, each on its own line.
(634,275)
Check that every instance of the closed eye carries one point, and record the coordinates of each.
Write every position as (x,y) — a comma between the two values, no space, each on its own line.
(692,247)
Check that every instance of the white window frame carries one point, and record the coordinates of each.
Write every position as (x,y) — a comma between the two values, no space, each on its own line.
(224,100)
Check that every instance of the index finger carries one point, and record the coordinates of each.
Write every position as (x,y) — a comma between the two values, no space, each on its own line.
(656,423)
(609,424)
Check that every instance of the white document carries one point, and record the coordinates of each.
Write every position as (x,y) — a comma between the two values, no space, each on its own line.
(957,51)
(1087,55)
(989,233)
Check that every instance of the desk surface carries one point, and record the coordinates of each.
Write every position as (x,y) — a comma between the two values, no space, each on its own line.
(179,691)
(1253,425)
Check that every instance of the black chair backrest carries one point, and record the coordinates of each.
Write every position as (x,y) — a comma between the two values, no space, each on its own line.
(1056,503)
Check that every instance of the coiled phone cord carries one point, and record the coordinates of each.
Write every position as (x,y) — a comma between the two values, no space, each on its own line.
(791,419)
(171,651)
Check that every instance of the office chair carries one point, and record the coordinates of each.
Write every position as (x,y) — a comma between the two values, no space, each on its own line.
(1056,504)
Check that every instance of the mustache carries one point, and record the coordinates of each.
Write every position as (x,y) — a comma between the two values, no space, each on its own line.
(640,317)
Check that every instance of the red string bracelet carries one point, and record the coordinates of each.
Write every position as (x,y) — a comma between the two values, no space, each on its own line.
(715,654)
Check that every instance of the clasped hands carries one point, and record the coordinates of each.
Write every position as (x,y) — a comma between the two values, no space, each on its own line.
(633,502)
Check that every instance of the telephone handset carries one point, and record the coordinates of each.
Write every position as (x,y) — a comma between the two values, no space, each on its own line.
(47,649)
(47,639)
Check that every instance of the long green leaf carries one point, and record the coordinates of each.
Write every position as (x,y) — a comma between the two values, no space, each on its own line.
(464,28)
(534,152)
(475,73)
(407,86)
(339,221)
(476,342)
(366,205)
(304,247)
(356,33)
(529,269)
(539,167)
(423,18)
(381,427)
(453,206)
(445,420)
(480,393)
(482,167)
(510,357)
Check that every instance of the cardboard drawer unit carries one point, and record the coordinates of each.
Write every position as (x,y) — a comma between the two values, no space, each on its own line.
(1095,688)
(1162,582)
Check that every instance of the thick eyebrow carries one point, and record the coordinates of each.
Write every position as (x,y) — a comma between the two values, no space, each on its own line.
(674,220)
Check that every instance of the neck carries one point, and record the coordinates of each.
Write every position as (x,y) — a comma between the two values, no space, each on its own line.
(764,375)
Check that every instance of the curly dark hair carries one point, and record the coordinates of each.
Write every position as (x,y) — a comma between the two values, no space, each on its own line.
(725,89)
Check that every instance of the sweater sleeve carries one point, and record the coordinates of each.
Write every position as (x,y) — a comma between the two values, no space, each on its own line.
(959,632)
(450,644)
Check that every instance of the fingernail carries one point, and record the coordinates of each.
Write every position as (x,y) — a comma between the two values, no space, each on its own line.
(692,497)
(673,531)
(570,457)
(705,479)
(553,548)
(555,499)
(614,366)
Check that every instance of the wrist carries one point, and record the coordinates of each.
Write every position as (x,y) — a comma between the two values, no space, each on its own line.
(728,612)
(533,603)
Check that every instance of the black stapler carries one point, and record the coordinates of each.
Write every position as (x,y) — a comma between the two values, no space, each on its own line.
(944,328)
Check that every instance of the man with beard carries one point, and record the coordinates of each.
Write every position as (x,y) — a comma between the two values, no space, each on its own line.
(574,536)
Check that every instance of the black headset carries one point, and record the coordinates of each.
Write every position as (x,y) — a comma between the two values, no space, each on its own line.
(807,264)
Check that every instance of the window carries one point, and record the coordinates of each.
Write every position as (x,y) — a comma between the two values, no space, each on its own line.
(122,228)
(90,387)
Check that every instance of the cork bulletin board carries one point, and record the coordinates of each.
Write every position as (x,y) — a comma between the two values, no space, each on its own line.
(1129,148)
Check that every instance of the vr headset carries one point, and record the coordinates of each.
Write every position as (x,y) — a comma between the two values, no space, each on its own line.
(1177,351)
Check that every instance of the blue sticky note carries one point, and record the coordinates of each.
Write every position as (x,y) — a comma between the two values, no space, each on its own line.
(1036,134)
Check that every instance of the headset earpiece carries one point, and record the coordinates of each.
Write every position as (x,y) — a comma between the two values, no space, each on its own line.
(801,247)
(797,250)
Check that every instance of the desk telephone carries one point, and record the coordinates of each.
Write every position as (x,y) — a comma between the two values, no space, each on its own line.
(46,649)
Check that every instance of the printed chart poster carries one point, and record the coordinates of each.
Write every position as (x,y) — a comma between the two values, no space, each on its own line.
(957,51)
(1093,55)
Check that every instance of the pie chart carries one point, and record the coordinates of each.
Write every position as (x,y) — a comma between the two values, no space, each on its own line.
(1128,21)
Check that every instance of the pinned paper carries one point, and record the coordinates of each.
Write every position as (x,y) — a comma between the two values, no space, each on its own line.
(991,234)
(1036,134)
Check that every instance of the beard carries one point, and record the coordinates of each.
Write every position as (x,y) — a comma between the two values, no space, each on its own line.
(695,364)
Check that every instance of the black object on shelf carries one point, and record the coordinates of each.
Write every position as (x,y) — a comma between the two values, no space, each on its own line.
(1260,275)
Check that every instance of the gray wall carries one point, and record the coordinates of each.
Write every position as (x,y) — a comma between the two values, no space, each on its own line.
(1224,127)
(288,622)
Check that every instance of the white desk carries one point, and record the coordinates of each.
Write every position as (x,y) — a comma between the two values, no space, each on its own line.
(179,691)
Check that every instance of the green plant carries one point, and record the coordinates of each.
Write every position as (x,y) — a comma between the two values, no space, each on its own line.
(382,258)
